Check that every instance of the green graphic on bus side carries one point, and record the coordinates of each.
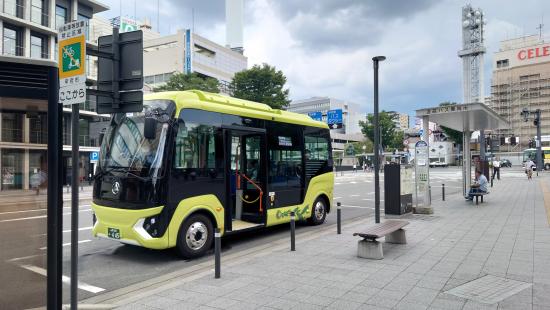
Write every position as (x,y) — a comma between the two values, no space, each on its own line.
(299,213)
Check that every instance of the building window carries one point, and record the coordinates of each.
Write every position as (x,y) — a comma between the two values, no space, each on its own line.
(502,63)
(60,16)
(38,14)
(12,38)
(39,46)
(12,127)
(14,7)
(81,17)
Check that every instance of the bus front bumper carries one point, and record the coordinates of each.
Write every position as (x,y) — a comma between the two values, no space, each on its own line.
(126,226)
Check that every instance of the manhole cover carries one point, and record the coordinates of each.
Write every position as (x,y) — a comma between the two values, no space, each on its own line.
(489,289)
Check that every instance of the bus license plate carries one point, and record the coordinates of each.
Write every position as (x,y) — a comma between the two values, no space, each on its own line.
(113,233)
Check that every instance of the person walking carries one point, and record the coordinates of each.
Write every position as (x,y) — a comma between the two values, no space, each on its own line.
(529,168)
(496,168)
(354,167)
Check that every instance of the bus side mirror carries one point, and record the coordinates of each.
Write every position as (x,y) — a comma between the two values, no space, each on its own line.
(150,128)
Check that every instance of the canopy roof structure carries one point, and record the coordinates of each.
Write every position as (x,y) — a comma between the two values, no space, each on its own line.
(465,117)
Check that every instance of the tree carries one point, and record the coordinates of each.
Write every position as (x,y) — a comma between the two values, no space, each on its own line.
(263,84)
(358,146)
(451,134)
(391,138)
(181,81)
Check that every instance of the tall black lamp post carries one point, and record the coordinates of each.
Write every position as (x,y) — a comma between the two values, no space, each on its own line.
(376,60)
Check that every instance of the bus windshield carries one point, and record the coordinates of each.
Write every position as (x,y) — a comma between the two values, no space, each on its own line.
(126,149)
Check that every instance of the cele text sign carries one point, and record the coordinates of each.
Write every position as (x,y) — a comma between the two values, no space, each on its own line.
(536,52)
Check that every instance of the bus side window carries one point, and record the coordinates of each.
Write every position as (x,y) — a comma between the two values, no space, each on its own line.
(195,147)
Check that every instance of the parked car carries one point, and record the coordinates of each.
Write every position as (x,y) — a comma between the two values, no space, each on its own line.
(505,163)
(438,164)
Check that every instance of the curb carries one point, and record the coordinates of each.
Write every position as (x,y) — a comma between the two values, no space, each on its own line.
(131,293)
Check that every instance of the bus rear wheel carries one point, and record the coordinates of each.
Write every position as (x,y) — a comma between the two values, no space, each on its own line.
(195,236)
(318,212)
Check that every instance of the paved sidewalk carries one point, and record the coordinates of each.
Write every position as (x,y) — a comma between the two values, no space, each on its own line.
(504,242)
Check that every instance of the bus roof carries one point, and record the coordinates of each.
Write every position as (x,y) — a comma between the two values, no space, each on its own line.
(196,99)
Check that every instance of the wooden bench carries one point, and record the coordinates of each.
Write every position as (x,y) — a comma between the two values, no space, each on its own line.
(480,194)
(391,229)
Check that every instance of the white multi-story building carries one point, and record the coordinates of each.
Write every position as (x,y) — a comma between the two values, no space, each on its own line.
(351,115)
(186,52)
(29,32)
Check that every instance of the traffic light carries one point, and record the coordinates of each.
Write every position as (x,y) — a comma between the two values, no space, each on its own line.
(502,140)
(513,140)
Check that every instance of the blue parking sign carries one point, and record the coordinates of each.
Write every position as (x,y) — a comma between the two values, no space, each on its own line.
(94,156)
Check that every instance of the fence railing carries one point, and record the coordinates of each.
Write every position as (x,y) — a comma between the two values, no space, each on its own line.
(12,135)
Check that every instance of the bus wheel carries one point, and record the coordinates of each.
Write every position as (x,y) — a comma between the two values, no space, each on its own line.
(547,167)
(319,212)
(195,236)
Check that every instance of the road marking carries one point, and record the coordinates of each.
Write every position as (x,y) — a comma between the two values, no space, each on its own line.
(354,195)
(360,207)
(336,198)
(337,183)
(22,211)
(35,210)
(81,285)
(24,257)
(371,199)
(353,182)
(38,217)
(68,244)
(65,231)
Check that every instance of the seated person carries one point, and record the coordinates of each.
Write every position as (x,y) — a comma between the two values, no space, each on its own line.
(480,186)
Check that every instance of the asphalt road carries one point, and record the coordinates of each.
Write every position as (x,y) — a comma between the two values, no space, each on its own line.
(105,265)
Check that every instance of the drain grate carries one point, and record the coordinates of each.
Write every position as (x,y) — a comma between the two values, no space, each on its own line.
(489,289)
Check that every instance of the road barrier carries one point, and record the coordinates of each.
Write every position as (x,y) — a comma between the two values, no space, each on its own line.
(339,218)
(217,253)
(292,232)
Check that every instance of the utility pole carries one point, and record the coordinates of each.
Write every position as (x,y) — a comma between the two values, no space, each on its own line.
(376,60)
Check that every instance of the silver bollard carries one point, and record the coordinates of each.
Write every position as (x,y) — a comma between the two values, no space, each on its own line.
(443,191)
(292,232)
(217,253)
(339,218)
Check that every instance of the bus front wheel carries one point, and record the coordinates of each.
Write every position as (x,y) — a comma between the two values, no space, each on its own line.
(195,236)
(318,212)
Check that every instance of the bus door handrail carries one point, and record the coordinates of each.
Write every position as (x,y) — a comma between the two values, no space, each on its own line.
(257,187)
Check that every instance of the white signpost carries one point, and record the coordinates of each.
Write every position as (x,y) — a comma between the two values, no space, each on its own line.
(421,168)
(72,91)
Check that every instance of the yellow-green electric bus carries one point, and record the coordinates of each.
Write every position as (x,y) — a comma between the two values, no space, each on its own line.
(194,161)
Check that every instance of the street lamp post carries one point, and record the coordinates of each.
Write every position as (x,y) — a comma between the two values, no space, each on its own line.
(376,60)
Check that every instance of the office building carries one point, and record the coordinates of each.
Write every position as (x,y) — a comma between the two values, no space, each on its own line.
(349,131)
(186,52)
(521,79)
(29,34)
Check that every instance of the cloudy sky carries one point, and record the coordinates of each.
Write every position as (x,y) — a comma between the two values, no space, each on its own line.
(325,47)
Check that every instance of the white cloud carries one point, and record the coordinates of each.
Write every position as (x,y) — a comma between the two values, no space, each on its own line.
(325,49)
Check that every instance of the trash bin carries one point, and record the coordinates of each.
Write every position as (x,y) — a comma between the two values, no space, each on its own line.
(398,187)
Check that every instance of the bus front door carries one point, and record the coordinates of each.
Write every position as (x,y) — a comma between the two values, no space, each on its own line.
(246,175)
